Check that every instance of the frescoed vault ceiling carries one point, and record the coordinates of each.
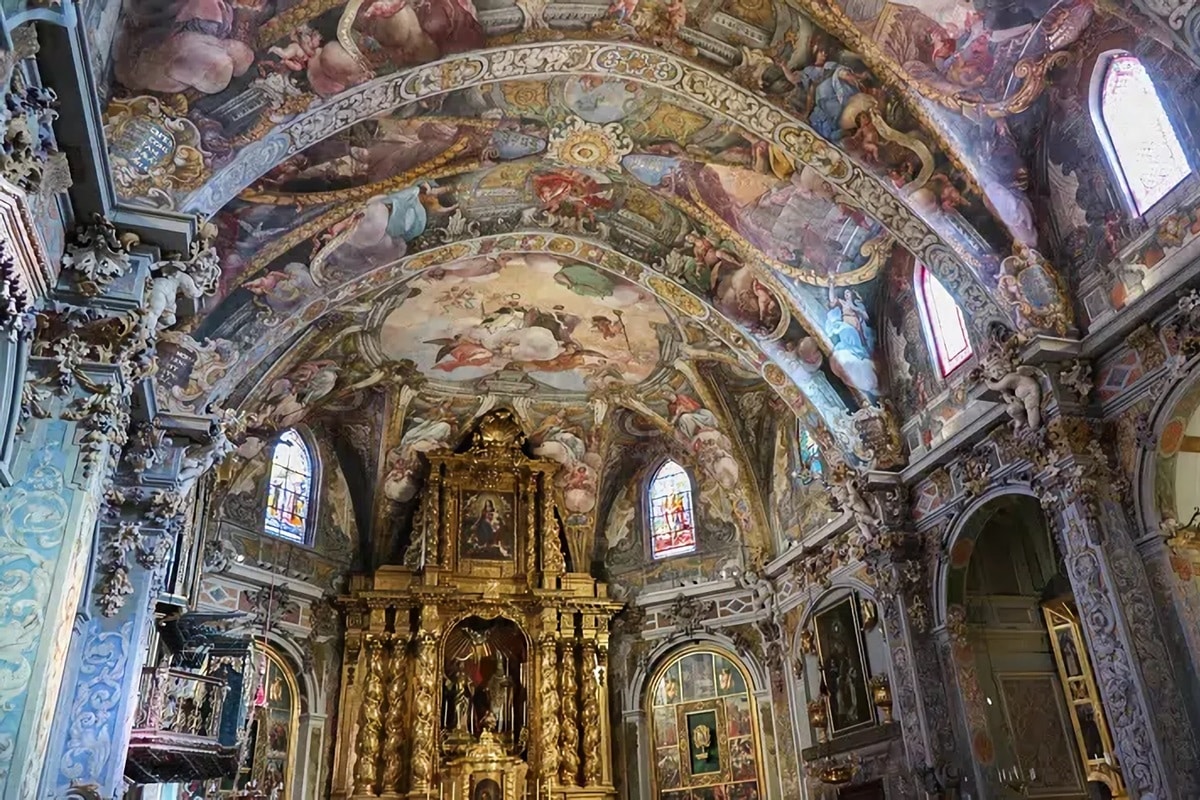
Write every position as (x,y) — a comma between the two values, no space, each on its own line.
(578,203)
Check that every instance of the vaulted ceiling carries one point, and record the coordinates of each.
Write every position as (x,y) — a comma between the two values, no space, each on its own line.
(588,204)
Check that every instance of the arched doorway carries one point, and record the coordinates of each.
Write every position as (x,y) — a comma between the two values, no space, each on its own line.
(1028,694)
(704,729)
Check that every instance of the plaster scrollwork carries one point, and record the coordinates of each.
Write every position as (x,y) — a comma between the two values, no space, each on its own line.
(975,470)
(104,416)
(146,446)
(115,586)
(879,441)
(1185,327)
(219,555)
(688,614)
(1077,377)
(27,149)
(16,312)
(98,254)
(1175,12)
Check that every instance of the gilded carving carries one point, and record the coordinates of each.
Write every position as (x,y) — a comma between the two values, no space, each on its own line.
(393,772)
(371,725)
(591,717)
(548,706)
(568,773)
(424,706)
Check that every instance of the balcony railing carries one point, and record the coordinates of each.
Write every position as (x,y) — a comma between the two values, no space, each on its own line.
(177,701)
(176,734)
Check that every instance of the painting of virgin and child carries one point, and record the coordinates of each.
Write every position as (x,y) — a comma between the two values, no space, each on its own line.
(486,527)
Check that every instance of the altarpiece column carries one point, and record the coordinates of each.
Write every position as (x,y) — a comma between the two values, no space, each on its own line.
(479,662)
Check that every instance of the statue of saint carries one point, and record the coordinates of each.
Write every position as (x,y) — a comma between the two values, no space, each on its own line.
(500,695)
(463,694)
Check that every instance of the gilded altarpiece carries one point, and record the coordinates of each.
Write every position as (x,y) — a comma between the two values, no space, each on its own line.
(478,671)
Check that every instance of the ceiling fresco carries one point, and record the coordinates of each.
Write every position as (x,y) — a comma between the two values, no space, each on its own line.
(566,326)
(252,102)
(566,203)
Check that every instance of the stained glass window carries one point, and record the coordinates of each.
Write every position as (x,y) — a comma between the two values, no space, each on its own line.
(672,525)
(1146,151)
(943,322)
(810,467)
(289,492)
(703,729)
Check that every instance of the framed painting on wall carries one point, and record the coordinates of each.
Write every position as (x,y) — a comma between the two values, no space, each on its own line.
(486,526)
(843,666)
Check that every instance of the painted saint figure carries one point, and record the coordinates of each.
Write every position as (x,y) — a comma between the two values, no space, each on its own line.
(849,329)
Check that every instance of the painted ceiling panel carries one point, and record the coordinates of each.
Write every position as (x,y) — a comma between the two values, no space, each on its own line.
(569,202)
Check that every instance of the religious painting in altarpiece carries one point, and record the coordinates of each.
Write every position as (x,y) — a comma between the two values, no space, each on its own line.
(703,726)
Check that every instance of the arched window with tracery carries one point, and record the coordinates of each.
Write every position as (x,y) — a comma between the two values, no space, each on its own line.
(1142,145)
(942,321)
(290,488)
(703,728)
(672,523)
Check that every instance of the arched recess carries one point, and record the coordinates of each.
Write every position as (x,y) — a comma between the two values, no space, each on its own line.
(703,725)
(269,760)
(1015,648)
(843,665)
(1166,475)
(788,380)
(959,273)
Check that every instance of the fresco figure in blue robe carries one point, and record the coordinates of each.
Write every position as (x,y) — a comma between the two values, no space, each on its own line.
(380,233)
(822,90)
(848,326)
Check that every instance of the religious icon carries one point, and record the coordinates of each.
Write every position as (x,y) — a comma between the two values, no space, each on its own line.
(729,678)
(843,667)
(487,527)
(702,746)
(741,759)
(486,789)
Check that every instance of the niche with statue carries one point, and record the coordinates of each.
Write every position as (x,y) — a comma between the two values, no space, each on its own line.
(483,683)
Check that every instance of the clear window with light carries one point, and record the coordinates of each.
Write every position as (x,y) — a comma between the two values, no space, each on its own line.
(1141,143)
(672,523)
(943,322)
(290,488)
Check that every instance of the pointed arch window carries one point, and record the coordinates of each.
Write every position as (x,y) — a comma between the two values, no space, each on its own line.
(1142,145)
(672,523)
(290,488)
(942,320)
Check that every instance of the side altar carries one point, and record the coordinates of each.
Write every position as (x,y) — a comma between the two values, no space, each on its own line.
(478,671)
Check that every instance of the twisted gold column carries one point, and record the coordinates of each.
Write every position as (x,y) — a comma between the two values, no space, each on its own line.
(548,693)
(568,763)
(592,771)
(393,743)
(424,703)
(371,725)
